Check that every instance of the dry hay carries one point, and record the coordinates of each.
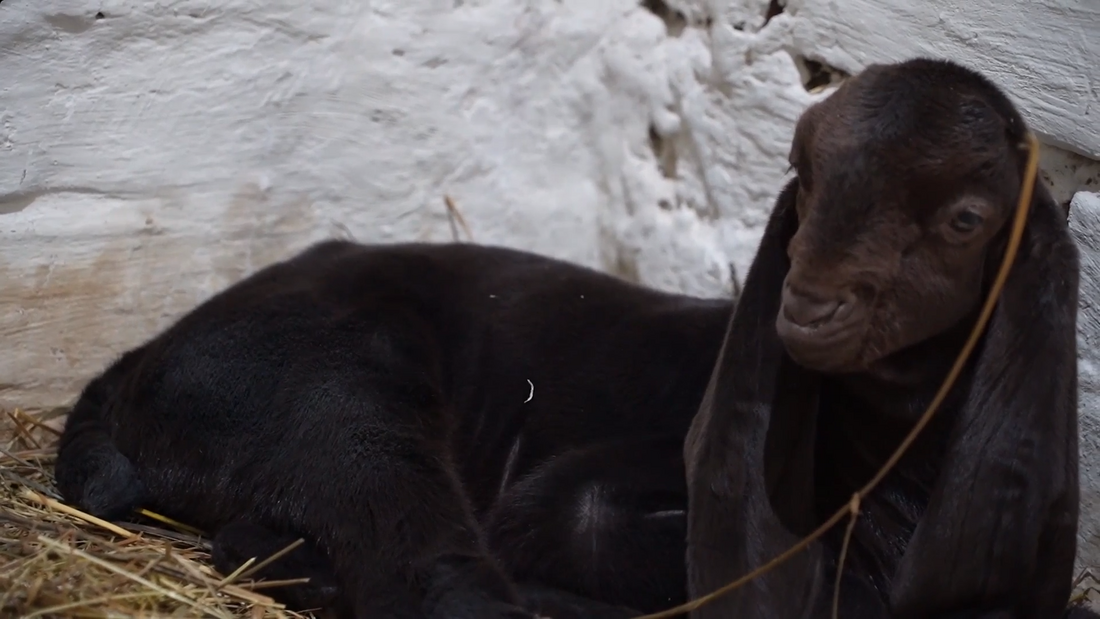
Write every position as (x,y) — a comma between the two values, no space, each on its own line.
(1086,589)
(58,562)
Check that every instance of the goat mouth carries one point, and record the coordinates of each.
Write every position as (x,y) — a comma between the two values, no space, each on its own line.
(831,347)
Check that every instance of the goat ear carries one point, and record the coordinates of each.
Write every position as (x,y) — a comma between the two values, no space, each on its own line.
(1000,527)
(732,526)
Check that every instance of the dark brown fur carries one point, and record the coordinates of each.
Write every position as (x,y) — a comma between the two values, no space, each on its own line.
(370,399)
(374,400)
(872,268)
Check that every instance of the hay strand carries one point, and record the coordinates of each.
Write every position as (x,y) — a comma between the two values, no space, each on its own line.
(262,564)
(454,214)
(76,513)
(172,523)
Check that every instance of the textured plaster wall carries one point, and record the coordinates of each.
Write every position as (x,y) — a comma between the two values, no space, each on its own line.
(154,151)
(1085,225)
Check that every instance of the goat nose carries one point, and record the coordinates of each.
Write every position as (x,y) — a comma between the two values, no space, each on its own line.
(807,310)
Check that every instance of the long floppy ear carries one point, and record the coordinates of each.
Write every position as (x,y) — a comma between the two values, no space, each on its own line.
(732,526)
(1000,529)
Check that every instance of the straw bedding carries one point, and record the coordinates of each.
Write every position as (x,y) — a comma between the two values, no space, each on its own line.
(58,562)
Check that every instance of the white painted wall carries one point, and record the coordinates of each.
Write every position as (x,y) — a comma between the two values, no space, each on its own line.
(153,151)
(1085,226)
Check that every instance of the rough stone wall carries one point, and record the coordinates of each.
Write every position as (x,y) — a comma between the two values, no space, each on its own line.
(154,151)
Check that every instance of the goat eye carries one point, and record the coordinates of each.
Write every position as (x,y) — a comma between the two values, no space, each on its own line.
(966,221)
